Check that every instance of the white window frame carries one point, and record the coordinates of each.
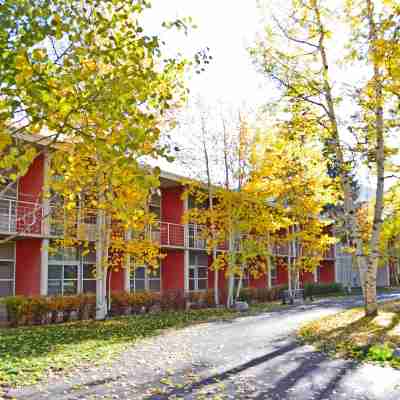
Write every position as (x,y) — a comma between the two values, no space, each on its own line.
(14,269)
(148,276)
(64,263)
(80,262)
(195,278)
(84,262)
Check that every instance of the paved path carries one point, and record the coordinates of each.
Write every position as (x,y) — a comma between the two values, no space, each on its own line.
(253,357)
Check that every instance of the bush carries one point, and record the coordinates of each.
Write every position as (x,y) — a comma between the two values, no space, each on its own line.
(37,309)
(141,302)
(86,306)
(380,352)
(119,303)
(56,305)
(201,299)
(16,309)
(312,289)
(173,300)
(261,295)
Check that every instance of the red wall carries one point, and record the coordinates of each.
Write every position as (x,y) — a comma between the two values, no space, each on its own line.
(172,205)
(28,262)
(117,280)
(173,270)
(30,185)
(282,274)
(327,272)
(307,277)
(260,282)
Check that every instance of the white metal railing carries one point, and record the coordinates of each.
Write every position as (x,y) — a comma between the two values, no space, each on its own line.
(21,217)
(82,223)
(179,235)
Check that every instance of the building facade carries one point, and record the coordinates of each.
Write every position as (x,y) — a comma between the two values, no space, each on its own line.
(27,268)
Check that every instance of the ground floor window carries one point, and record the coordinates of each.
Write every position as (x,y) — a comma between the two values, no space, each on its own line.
(71,271)
(7,269)
(143,279)
(198,271)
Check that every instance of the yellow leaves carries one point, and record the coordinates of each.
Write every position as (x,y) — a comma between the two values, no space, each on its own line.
(89,65)
(5,140)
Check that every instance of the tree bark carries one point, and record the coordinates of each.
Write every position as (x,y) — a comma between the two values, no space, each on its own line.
(371,305)
(366,266)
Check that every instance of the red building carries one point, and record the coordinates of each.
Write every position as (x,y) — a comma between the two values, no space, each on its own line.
(27,268)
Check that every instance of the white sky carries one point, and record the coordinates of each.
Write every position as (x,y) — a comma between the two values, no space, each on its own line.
(227,27)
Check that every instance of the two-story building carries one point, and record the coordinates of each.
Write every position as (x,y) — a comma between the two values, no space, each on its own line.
(27,267)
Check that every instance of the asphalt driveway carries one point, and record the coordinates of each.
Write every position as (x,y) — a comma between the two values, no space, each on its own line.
(254,357)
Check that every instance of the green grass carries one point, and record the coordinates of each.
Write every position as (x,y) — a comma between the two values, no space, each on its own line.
(27,354)
(350,334)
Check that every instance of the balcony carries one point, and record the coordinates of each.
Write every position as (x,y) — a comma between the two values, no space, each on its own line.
(25,218)
(21,217)
(170,234)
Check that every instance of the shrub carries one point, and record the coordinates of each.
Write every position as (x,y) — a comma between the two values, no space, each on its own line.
(142,301)
(37,308)
(261,295)
(380,352)
(119,302)
(173,300)
(247,294)
(312,289)
(56,305)
(85,305)
(16,309)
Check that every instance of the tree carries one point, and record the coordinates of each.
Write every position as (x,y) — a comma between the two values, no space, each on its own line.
(90,88)
(210,155)
(290,175)
(296,55)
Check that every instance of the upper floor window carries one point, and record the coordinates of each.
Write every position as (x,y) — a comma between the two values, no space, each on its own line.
(194,203)
(9,190)
(7,269)
(155,205)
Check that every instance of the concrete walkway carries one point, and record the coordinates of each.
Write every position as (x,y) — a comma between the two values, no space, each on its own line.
(253,357)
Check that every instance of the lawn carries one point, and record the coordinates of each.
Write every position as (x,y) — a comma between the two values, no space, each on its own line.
(350,334)
(28,354)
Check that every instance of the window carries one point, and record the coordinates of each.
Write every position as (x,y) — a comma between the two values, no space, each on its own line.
(7,269)
(155,208)
(63,272)
(155,205)
(195,242)
(8,207)
(198,271)
(71,272)
(143,279)
(89,271)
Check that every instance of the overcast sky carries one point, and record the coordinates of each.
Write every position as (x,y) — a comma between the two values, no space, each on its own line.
(227,27)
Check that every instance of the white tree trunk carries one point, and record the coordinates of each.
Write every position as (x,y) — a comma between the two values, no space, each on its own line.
(101,272)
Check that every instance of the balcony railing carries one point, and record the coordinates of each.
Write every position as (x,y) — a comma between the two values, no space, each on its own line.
(28,218)
(21,217)
(178,235)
